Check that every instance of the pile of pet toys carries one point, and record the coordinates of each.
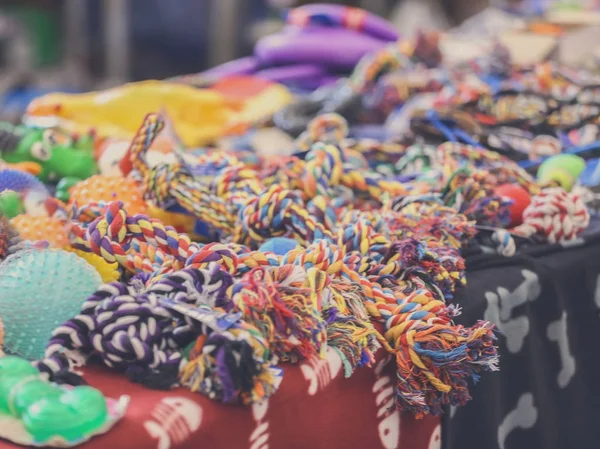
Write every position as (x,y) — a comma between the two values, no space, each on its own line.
(179,249)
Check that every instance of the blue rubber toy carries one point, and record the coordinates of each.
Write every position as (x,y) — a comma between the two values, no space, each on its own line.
(279,245)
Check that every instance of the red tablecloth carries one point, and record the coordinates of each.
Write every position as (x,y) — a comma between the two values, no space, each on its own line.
(315,407)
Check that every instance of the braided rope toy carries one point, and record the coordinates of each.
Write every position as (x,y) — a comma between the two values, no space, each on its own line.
(140,332)
(554,214)
(360,247)
(111,234)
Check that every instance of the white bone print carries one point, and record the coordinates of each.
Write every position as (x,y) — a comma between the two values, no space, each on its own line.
(528,290)
(320,372)
(435,442)
(597,292)
(259,439)
(557,332)
(387,413)
(524,416)
(502,303)
(453,410)
(174,419)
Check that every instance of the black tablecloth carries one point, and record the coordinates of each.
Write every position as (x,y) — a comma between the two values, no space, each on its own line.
(546,303)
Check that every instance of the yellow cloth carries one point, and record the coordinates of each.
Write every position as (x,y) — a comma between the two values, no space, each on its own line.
(198,115)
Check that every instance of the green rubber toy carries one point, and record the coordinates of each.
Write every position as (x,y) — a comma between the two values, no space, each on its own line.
(564,169)
(11,204)
(63,186)
(46,410)
(68,158)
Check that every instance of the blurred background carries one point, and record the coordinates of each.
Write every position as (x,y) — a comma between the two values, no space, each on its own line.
(83,44)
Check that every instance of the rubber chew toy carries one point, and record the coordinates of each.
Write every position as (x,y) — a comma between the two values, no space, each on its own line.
(31,313)
(520,198)
(562,169)
(101,188)
(57,160)
(34,412)
(342,16)
(51,229)
(555,215)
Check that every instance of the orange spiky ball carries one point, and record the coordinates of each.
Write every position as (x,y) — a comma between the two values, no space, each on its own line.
(109,188)
(32,227)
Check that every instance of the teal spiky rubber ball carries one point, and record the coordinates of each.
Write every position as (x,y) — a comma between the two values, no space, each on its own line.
(40,290)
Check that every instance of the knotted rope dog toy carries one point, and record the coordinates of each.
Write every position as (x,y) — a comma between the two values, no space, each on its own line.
(555,215)
(140,333)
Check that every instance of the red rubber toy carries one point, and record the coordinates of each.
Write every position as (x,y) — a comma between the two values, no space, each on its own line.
(521,199)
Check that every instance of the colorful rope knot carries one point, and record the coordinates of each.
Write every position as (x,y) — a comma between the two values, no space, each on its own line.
(253,259)
(441,268)
(361,236)
(555,215)
(324,211)
(282,312)
(159,181)
(236,183)
(321,254)
(328,128)
(453,156)
(323,170)
(472,194)
(436,359)
(429,221)
(110,236)
(373,66)
(277,212)
(169,184)
(140,333)
(214,253)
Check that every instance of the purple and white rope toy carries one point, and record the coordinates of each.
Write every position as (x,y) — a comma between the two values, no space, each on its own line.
(143,332)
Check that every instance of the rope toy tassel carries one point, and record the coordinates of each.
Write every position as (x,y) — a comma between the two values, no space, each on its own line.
(472,193)
(436,359)
(231,367)
(349,331)
(427,219)
(284,314)
(442,268)
(555,215)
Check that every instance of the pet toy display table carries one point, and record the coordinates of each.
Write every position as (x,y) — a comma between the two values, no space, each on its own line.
(315,407)
(546,302)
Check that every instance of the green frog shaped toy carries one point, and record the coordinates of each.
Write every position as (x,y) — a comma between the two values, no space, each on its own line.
(58,156)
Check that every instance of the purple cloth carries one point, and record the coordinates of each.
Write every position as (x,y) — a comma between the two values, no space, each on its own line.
(290,73)
(333,48)
(302,76)
(242,66)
